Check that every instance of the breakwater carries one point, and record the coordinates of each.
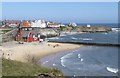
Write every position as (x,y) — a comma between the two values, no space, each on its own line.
(85,43)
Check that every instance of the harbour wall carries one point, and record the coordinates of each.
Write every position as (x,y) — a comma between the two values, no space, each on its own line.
(85,43)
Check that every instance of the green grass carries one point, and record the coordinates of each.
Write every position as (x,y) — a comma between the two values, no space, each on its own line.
(14,68)
(5,31)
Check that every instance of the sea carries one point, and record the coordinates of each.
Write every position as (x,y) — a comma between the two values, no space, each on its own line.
(88,60)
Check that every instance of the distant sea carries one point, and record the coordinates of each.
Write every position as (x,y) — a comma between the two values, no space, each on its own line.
(113,25)
(87,60)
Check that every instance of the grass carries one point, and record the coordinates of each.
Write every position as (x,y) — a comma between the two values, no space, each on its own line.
(14,68)
(5,31)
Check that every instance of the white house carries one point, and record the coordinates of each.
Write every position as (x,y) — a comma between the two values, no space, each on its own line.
(88,25)
(39,23)
(72,24)
(62,25)
(54,25)
(12,25)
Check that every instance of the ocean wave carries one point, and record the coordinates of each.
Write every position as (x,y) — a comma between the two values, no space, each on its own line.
(113,70)
(79,56)
(85,39)
(63,35)
(116,29)
(54,65)
(73,38)
(105,33)
(54,38)
(81,59)
(63,62)
(66,56)
(63,59)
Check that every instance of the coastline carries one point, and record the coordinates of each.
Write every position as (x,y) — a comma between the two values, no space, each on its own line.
(35,50)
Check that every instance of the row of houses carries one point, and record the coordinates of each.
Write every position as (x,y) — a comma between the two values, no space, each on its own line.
(32,24)
(30,33)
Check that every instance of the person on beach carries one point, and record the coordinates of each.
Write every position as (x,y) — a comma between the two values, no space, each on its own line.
(3,55)
(49,45)
(8,56)
(54,46)
(57,44)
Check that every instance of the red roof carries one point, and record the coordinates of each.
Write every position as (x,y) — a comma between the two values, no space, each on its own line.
(26,24)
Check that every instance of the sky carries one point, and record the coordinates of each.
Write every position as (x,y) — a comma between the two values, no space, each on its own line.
(65,12)
(60,0)
(0,11)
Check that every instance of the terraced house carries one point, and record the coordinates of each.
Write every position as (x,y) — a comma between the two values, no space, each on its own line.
(26,34)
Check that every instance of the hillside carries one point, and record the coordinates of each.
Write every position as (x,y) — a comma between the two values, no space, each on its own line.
(14,68)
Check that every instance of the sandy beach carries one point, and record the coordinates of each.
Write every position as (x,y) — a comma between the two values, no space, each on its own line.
(26,51)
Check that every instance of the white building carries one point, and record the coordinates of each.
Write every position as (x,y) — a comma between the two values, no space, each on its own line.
(88,25)
(62,25)
(39,23)
(12,25)
(72,24)
(54,25)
